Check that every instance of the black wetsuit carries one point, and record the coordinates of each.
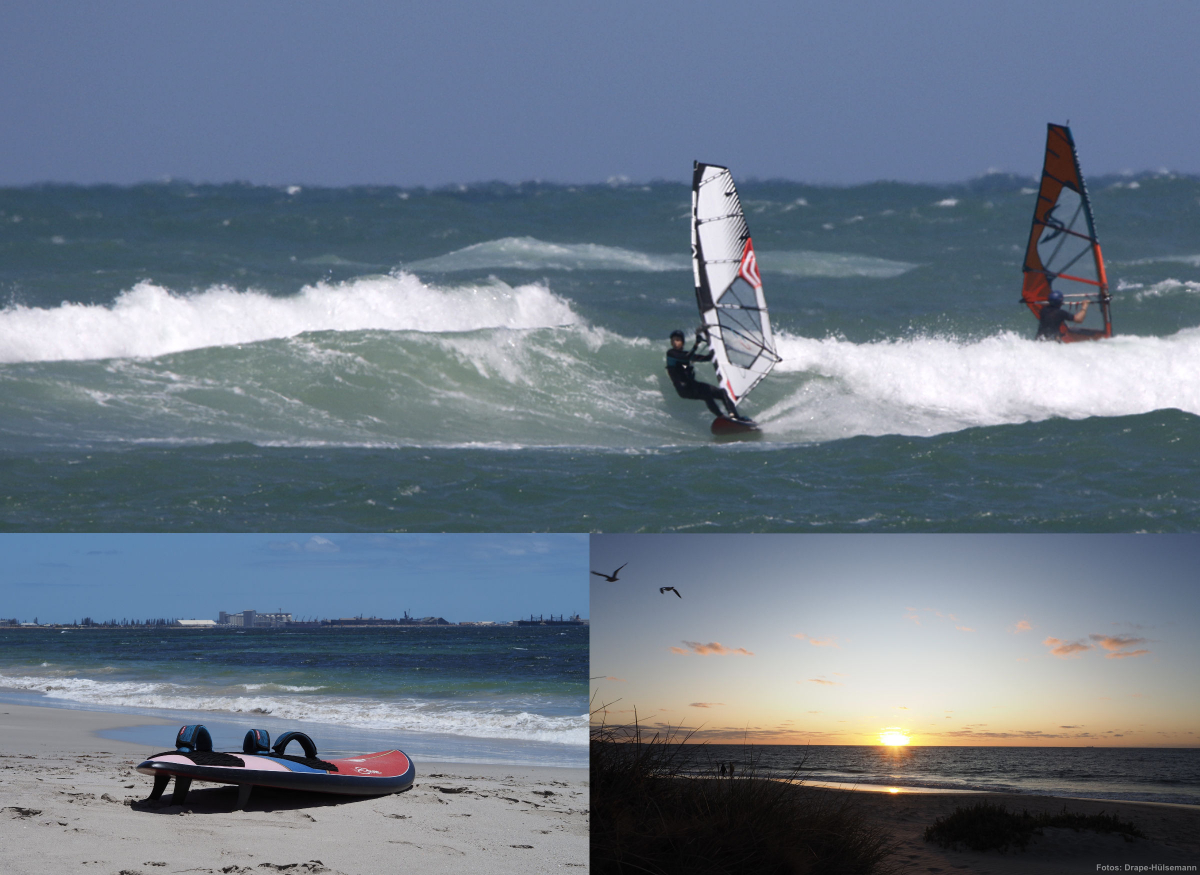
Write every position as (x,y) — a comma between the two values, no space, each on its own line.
(1050,321)
(683,376)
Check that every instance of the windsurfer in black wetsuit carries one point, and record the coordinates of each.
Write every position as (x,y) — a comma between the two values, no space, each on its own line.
(683,375)
(1053,315)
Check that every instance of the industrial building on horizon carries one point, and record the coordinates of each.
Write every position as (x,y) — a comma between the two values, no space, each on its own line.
(250,619)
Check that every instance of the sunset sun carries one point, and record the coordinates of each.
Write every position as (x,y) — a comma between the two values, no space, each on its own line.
(893,738)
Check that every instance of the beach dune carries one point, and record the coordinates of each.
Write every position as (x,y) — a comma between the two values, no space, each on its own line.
(71,802)
(1172,835)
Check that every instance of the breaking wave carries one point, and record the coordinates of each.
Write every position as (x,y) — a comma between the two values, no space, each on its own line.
(410,714)
(149,320)
(932,385)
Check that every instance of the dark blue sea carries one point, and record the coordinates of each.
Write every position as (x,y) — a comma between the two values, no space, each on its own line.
(490,358)
(474,694)
(1133,774)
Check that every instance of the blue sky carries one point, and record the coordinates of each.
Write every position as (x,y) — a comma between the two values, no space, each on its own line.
(60,578)
(428,93)
(949,639)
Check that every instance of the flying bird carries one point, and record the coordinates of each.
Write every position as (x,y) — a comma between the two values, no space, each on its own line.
(611,578)
(663,589)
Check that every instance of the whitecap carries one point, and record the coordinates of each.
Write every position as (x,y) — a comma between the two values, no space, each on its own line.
(150,320)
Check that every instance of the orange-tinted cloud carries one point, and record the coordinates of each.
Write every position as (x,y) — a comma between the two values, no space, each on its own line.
(1065,650)
(821,681)
(1022,626)
(1124,653)
(705,704)
(1118,646)
(1116,642)
(713,648)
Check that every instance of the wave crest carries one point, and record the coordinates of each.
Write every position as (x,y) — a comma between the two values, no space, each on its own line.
(150,320)
(412,715)
(529,253)
(932,385)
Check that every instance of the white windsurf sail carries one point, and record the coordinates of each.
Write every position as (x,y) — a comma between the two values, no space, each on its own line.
(729,289)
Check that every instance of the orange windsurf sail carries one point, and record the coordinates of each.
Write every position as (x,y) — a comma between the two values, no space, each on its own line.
(1063,248)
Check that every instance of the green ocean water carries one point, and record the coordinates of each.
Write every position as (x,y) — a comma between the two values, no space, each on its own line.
(489,358)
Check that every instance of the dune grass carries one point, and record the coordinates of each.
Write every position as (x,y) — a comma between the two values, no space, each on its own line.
(987,826)
(649,818)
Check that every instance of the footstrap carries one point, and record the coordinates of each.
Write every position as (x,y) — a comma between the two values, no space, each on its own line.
(193,737)
(306,743)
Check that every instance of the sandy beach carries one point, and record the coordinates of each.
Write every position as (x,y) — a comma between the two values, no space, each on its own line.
(1172,835)
(72,802)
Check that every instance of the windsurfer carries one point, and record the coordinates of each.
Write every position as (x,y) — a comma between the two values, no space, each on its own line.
(683,375)
(1053,315)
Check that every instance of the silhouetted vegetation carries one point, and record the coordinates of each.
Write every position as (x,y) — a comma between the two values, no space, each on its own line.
(651,818)
(988,826)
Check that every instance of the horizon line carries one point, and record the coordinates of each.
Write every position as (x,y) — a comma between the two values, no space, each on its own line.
(614,181)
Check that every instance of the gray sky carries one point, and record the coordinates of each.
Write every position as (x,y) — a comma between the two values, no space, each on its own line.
(430,93)
(61,578)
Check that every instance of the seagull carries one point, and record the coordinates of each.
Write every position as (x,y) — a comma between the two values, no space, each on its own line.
(611,578)
(663,589)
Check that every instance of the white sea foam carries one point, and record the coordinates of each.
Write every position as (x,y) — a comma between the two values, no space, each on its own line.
(1193,260)
(284,688)
(1166,288)
(413,715)
(932,385)
(149,320)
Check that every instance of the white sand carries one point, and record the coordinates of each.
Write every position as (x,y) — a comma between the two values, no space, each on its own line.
(71,802)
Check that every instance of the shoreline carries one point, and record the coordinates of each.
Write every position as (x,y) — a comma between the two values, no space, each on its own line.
(287,627)
(1172,833)
(459,748)
(904,790)
(71,796)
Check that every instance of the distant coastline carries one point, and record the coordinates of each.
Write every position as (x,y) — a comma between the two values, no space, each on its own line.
(323,623)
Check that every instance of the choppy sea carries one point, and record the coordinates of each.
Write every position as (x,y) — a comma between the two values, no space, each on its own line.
(490,357)
(1132,774)
(472,694)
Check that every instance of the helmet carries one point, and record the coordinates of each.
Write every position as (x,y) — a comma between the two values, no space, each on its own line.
(1055,298)
(677,333)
